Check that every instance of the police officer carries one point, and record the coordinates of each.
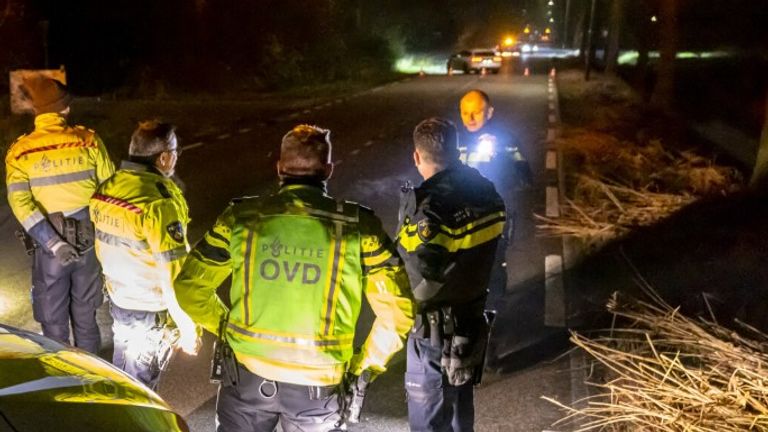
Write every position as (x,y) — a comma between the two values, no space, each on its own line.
(51,174)
(492,149)
(448,231)
(141,222)
(300,262)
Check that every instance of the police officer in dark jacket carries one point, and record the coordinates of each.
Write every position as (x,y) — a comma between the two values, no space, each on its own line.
(448,233)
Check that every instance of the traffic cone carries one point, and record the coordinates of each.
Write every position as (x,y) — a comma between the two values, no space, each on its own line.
(527,72)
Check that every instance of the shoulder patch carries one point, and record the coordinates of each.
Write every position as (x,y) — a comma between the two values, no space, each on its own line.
(176,230)
(426,229)
(163,189)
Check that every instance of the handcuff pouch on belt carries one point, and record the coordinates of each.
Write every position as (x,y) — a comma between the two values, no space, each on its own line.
(78,233)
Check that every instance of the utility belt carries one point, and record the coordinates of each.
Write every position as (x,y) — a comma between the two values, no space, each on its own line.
(79,233)
(441,323)
(462,339)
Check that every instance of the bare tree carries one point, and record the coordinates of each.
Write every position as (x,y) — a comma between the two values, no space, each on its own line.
(663,93)
(760,173)
(614,36)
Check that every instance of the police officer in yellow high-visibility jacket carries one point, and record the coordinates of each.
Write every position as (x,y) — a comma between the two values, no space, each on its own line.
(300,262)
(141,222)
(51,174)
(449,229)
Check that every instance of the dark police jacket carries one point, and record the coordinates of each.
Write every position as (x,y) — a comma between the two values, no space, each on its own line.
(448,231)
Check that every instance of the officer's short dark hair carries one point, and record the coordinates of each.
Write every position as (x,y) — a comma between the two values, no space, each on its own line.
(436,140)
(151,138)
(305,151)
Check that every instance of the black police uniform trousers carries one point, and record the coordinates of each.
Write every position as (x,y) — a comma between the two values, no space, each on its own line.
(256,404)
(132,352)
(67,294)
(433,404)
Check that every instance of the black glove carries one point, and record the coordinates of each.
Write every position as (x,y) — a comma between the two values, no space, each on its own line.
(65,253)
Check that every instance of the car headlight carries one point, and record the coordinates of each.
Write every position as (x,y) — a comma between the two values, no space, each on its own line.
(526,48)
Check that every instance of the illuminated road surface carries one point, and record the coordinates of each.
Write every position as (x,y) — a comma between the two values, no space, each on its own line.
(371,134)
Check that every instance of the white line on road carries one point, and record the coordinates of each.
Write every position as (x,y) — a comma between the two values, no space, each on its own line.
(551,160)
(339,100)
(553,202)
(244,130)
(354,152)
(550,134)
(306,111)
(552,105)
(552,96)
(191,146)
(293,115)
(318,108)
(554,292)
(552,118)
(368,143)
(338,162)
(269,155)
(223,136)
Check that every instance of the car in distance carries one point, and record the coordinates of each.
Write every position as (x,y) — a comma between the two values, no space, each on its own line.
(475,60)
(48,386)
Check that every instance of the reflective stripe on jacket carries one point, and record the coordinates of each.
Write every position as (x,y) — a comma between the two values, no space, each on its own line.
(448,232)
(300,264)
(141,222)
(55,168)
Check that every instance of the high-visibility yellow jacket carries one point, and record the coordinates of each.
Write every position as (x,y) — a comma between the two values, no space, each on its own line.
(300,263)
(141,222)
(56,168)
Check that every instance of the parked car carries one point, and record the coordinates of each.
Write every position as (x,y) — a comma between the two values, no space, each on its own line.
(475,60)
(48,386)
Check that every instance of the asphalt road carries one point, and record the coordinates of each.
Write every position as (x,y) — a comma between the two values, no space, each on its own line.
(372,151)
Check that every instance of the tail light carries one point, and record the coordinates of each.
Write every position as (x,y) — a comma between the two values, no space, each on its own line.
(497,59)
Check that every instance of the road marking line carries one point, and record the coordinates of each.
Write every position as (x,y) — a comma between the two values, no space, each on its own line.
(244,130)
(339,100)
(338,162)
(293,115)
(306,111)
(193,145)
(552,118)
(368,143)
(551,160)
(554,292)
(223,136)
(553,204)
(318,108)
(269,155)
(552,105)
(551,96)
(550,134)
(354,152)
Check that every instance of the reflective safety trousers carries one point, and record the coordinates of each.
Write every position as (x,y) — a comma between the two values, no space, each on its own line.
(56,168)
(300,264)
(141,222)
